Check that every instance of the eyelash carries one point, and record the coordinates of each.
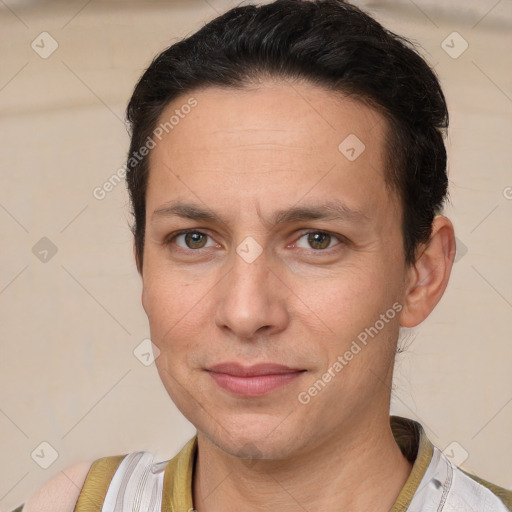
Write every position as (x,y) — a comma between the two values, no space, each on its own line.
(343,241)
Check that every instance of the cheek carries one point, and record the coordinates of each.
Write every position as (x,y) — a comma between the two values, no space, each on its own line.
(349,308)
(343,299)
(167,296)
(178,313)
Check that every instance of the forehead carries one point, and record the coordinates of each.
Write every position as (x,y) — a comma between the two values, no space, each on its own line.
(272,142)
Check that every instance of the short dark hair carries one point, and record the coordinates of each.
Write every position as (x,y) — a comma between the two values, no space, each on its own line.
(328,43)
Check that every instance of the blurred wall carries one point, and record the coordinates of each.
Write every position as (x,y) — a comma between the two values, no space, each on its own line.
(70,308)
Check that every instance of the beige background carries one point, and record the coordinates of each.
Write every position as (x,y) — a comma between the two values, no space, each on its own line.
(69,326)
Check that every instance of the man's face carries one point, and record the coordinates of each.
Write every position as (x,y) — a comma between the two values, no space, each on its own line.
(248,290)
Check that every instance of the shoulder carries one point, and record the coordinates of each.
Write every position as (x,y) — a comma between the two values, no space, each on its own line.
(60,493)
(91,486)
(505,495)
(86,482)
(456,489)
(436,483)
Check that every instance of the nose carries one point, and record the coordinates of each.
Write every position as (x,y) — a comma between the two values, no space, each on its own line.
(251,300)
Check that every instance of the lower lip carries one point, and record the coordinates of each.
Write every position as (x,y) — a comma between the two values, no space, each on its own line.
(256,385)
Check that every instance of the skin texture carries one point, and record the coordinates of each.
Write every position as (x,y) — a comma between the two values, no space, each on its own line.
(61,492)
(302,302)
(244,154)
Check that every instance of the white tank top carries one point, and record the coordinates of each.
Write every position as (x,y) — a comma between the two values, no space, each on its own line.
(136,485)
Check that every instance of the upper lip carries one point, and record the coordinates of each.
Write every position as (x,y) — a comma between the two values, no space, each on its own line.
(239,370)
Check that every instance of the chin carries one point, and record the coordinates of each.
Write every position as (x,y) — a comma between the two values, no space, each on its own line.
(255,436)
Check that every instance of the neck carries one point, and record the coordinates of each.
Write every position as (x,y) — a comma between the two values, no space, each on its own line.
(358,469)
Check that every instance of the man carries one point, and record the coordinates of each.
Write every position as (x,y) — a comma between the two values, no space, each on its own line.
(287,171)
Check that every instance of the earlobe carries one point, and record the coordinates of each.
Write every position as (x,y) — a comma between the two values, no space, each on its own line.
(430,273)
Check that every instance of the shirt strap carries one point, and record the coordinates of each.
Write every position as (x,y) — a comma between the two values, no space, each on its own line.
(96,484)
(177,488)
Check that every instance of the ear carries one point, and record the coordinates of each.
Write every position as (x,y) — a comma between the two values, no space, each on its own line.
(429,275)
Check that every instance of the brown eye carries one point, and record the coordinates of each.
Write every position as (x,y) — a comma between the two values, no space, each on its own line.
(319,240)
(190,239)
(195,240)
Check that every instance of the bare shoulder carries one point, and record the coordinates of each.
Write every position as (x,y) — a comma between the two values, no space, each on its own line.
(61,492)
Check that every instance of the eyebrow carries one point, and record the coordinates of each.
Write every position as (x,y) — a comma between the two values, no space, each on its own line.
(331,210)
